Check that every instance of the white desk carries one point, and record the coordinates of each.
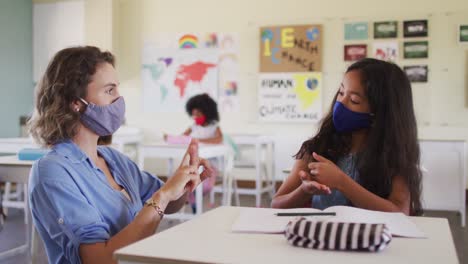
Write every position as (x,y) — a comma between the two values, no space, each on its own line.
(265,165)
(208,239)
(124,136)
(14,145)
(127,136)
(14,170)
(170,152)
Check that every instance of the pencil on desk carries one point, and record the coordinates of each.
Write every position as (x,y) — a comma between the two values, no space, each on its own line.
(307,214)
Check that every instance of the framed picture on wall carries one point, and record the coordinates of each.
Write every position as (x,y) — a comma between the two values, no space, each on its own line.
(356,31)
(463,33)
(415,50)
(415,28)
(385,29)
(355,52)
(416,73)
(387,51)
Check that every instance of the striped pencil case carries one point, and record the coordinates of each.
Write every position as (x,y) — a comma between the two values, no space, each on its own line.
(337,236)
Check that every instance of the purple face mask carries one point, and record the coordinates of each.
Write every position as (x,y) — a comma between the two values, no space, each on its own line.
(104,120)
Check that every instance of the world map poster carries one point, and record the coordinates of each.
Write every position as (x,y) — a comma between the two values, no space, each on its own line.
(171,76)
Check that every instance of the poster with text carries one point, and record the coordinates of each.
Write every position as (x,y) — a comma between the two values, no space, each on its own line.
(171,76)
(356,31)
(416,50)
(387,51)
(355,52)
(290,97)
(385,29)
(415,28)
(291,48)
(416,73)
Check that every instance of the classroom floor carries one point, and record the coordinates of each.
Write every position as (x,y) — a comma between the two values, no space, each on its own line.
(13,233)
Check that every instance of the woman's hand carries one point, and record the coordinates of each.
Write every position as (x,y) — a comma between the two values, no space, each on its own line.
(186,178)
(326,172)
(312,187)
(197,161)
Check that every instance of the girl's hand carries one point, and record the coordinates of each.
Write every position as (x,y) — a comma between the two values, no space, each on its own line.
(326,172)
(312,187)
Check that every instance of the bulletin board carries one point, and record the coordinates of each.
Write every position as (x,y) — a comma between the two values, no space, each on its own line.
(290,79)
(291,48)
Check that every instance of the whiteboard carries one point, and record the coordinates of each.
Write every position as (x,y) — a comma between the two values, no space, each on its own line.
(55,26)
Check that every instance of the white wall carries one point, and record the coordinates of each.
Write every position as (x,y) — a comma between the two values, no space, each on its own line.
(56,25)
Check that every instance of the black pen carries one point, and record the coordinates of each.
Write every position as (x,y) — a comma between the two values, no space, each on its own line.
(306,214)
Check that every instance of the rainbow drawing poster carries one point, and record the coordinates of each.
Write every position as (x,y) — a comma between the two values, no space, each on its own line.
(188,41)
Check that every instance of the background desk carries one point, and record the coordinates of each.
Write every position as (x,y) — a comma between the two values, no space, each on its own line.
(14,170)
(125,136)
(208,239)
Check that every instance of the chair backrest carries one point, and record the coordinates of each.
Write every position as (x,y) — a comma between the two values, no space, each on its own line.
(233,152)
(233,146)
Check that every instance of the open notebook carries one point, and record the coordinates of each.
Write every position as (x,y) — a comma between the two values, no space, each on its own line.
(262,220)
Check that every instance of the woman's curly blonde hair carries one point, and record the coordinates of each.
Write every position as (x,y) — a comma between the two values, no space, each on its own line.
(65,80)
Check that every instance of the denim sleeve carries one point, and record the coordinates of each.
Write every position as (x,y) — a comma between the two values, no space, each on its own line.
(67,218)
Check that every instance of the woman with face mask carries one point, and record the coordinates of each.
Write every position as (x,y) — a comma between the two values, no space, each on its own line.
(366,152)
(88,200)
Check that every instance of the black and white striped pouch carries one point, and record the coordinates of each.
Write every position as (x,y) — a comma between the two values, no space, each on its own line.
(337,236)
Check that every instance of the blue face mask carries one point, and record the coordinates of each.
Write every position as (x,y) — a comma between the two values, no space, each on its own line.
(104,120)
(346,120)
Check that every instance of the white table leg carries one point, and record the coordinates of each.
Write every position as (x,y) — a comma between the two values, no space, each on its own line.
(199,199)
(141,157)
(170,167)
(227,181)
(272,168)
(224,182)
(258,174)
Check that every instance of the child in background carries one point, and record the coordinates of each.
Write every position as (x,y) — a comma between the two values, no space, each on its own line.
(204,111)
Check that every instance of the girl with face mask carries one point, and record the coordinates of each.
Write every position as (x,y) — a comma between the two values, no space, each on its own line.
(366,152)
(88,200)
(204,111)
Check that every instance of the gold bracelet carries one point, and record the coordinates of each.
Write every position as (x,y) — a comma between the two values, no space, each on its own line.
(152,203)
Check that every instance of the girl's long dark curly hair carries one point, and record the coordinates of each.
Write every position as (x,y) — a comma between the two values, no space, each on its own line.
(391,147)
